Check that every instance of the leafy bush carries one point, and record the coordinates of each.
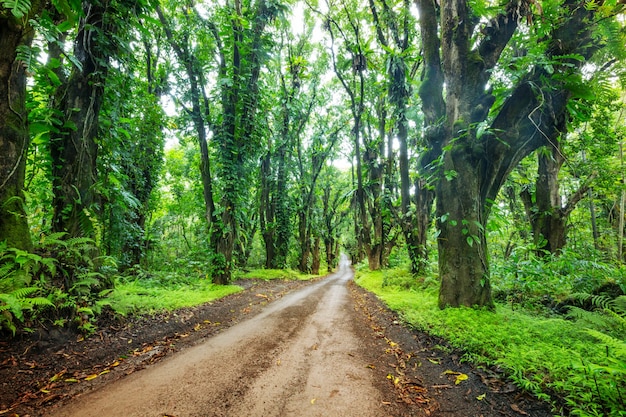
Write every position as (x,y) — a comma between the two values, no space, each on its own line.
(17,269)
(527,280)
(63,282)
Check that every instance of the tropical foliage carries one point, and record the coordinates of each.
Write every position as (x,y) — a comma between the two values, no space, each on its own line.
(148,147)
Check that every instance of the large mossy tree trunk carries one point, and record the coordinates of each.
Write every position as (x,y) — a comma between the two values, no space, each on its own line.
(14,137)
(472,167)
(74,149)
(236,136)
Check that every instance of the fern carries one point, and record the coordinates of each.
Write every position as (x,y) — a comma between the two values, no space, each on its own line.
(54,239)
(619,305)
(24,292)
(19,8)
(617,346)
(601,302)
(13,305)
(27,56)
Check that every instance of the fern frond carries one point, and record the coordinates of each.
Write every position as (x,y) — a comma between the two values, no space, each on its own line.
(27,55)
(78,241)
(619,304)
(598,301)
(39,302)
(616,345)
(6,269)
(24,292)
(589,318)
(54,239)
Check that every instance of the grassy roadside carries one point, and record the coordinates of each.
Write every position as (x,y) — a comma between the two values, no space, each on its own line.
(558,360)
(268,274)
(149,296)
(162,291)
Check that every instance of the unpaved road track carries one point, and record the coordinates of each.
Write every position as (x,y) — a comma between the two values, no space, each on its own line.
(299,357)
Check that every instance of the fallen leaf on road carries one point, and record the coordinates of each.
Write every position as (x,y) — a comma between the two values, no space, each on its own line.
(460,378)
(90,377)
(481,397)
(58,375)
(313,401)
(516,408)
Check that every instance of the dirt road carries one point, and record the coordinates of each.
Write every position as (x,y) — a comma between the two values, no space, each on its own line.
(300,357)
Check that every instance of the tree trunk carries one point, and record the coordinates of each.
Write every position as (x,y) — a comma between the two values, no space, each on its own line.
(547,216)
(622,204)
(266,212)
(196,89)
(315,264)
(14,136)
(74,150)
(330,254)
(223,235)
(422,219)
(304,236)
(548,220)
(471,167)
(283,217)
(463,264)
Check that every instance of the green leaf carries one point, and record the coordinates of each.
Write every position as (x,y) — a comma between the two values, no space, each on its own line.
(19,8)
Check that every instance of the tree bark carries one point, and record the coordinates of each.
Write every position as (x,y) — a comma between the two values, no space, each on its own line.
(315,264)
(14,136)
(234,136)
(266,211)
(547,214)
(471,169)
(74,150)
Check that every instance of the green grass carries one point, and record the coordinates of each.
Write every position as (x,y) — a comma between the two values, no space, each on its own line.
(544,355)
(268,274)
(148,296)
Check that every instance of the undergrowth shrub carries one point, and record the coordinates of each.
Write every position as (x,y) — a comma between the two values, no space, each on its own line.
(63,282)
(527,280)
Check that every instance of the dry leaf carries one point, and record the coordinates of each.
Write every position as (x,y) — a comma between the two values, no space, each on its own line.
(516,408)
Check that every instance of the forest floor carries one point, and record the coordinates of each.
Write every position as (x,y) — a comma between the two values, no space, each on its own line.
(278,348)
